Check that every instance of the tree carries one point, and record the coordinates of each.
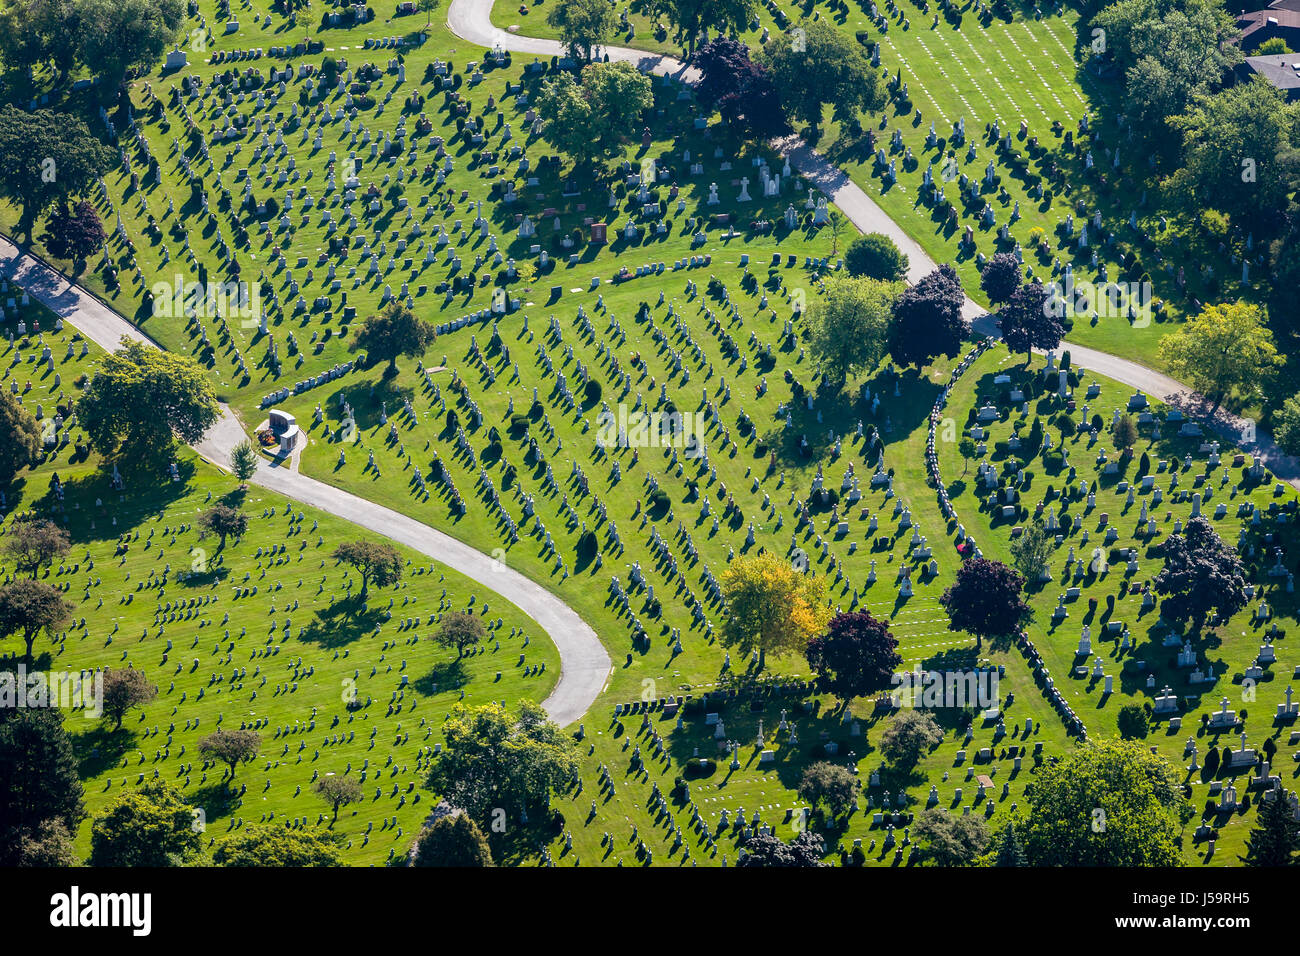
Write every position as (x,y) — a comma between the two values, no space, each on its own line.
(910,734)
(949,839)
(1125,432)
(590,119)
(770,606)
(825,782)
(28,607)
(1010,851)
(243,462)
(73,234)
(818,65)
(46,156)
(690,17)
(928,319)
(1226,347)
(1106,803)
(47,845)
(849,327)
(493,757)
(1000,277)
(967,449)
(20,437)
(272,846)
(741,90)
(428,8)
(231,747)
(39,779)
(1246,121)
(452,840)
(338,791)
(460,629)
(583,25)
(223,521)
(1286,426)
(985,600)
(144,398)
(1031,551)
(34,543)
(378,563)
(395,332)
(877,257)
(1200,574)
(151,826)
(123,689)
(1028,321)
(120,36)
(1132,722)
(856,656)
(768,849)
(35,32)
(1275,841)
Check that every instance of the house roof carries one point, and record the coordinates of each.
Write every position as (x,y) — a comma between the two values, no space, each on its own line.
(1280,69)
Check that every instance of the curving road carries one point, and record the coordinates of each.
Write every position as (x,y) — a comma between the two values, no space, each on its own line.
(472,20)
(584,663)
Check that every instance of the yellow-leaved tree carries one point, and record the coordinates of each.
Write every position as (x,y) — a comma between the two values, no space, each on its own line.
(771,606)
(1225,348)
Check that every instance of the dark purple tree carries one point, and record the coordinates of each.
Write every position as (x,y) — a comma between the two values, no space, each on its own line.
(928,320)
(738,88)
(985,600)
(1028,321)
(856,656)
(1201,574)
(1000,277)
(73,234)
(770,850)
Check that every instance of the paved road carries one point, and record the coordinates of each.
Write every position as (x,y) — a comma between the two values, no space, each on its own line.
(584,663)
(471,20)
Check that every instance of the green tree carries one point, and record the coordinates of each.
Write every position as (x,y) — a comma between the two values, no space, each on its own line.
(123,689)
(583,25)
(20,437)
(28,607)
(225,522)
(231,747)
(47,157)
(460,629)
(493,757)
(1232,141)
(34,543)
(275,847)
(849,326)
(152,826)
(768,849)
(1010,851)
(1272,46)
(395,332)
(692,17)
(820,65)
(1106,803)
(120,36)
(143,399)
(828,783)
(1031,551)
(36,32)
(1286,426)
(338,791)
(771,607)
(875,256)
(380,564)
(243,462)
(1125,432)
(590,119)
(428,8)
(967,449)
(1275,841)
(47,845)
(452,840)
(949,839)
(909,734)
(39,779)
(1132,722)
